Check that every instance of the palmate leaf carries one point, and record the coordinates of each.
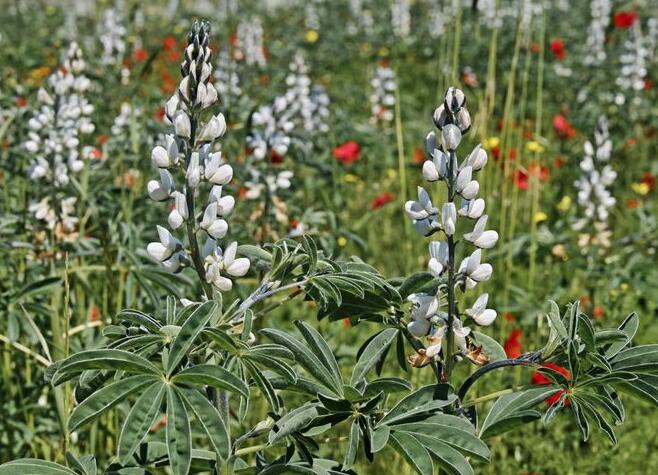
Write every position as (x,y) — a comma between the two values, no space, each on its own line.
(188,333)
(140,419)
(34,467)
(294,421)
(352,445)
(106,398)
(413,452)
(628,327)
(264,385)
(306,358)
(639,359)
(111,359)
(210,419)
(178,433)
(319,346)
(645,387)
(514,409)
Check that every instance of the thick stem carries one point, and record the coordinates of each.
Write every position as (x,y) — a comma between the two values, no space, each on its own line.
(452,304)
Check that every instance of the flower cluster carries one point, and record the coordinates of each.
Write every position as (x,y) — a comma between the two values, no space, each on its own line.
(111,36)
(382,98)
(427,320)
(633,64)
(227,79)
(249,43)
(189,152)
(308,105)
(594,197)
(269,132)
(401,18)
(55,135)
(595,45)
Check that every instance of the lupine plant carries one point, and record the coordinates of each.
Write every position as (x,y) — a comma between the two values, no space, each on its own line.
(200,366)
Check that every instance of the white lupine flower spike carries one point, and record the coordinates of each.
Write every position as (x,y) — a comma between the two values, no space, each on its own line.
(447,339)
(198,168)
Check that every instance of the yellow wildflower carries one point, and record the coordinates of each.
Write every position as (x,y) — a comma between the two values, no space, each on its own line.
(564,204)
(383,52)
(534,147)
(491,142)
(311,36)
(350,178)
(640,188)
(540,216)
(391,173)
(342,242)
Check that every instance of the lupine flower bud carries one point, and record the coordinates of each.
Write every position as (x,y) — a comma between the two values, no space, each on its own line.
(160,157)
(163,249)
(454,99)
(214,129)
(161,190)
(430,143)
(171,106)
(440,117)
(472,208)
(477,158)
(438,257)
(193,174)
(451,136)
(430,172)
(180,213)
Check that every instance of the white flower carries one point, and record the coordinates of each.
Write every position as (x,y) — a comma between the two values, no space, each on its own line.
(161,190)
(437,168)
(422,212)
(214,129)
(449,218)
(472,208)
(438,257)
(481,238)
(215,171)
(439,334)
(473,269)
(479,312)
(193,173)
(454,99)
(477,159)
(225,204)
(464,185)
(216,227)
(182,125)
(180,213)
(163,249)
(218,263)
(423,308)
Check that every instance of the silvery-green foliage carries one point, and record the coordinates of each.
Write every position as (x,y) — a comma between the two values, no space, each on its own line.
(593,187)
(58,130)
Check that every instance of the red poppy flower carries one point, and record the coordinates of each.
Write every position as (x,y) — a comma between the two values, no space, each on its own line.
(101,139)
(140,55)
(169,42)
(585,300)
(563,127)
(348,152)
(509,317)
(419,156)
(21,102)
(558,49)
(94,313)
(648,84)
(624,20)
(159,114)
(540,378)
(293,223)
(633,203)
(521,179)
(558,162)
(96,153)
(512,154)
(381,199)
(512,345)
(598,312)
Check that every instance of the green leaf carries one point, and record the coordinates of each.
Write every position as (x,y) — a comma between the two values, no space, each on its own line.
(423,400)
(308,360)
(140,419)
(512,410)
(629,327)
(275,364)
(450,460)
(34,467)
(265,386)
(319,346)
(462,440)
(642,358)
(106,398)
(555,321)
(111,359)
(210,419)
(188,333)
(178,433)
(375,349)
(491,347)
(414,283)
(581,419)
(294,421)
(645,388)
(211,375)
(352,446)
(139,318)
(380,438)
(413,452)
(222,339)
(387,385)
